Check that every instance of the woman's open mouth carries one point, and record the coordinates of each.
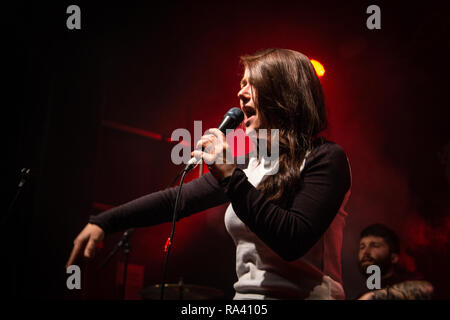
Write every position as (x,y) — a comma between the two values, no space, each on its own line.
(250,113)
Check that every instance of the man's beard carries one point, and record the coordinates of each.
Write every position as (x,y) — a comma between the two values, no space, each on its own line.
(385,264)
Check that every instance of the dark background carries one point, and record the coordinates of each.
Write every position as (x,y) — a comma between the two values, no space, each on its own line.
(158,67)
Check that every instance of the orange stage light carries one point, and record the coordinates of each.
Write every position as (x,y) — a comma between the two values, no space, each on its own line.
(320,70)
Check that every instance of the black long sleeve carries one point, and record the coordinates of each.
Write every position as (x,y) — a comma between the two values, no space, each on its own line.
(155,208)
(289,232)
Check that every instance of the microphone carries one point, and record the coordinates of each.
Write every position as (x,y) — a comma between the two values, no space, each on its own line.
(230,120)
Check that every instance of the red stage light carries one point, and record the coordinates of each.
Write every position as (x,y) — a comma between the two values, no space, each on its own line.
(320,70)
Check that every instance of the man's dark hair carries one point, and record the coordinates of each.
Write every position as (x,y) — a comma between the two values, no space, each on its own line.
(389,236)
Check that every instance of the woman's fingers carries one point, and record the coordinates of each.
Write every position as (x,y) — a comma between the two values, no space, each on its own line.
(73,255)
(205,141)
(77,246)
(208,158)
(218,134)
(214,147)
(223,150)
(86,241)
(89,252)
(214,137)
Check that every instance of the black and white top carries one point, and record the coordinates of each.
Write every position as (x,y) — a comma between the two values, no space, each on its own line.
(281,253)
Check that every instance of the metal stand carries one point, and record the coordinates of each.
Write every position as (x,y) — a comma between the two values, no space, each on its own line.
(24,175)
(124,242)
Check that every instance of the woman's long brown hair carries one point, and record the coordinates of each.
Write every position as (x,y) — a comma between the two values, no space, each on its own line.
(289,98)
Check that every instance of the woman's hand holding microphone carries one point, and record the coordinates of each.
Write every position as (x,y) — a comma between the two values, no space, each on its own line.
(216,154)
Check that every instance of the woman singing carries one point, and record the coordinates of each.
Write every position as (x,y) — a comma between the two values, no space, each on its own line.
(285,215)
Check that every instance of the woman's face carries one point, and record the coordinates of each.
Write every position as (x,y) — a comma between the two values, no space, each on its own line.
(247,97)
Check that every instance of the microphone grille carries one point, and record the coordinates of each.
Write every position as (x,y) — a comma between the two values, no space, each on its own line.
(236,113)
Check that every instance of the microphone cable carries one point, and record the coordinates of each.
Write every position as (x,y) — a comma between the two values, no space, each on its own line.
(231,120)
(169,241)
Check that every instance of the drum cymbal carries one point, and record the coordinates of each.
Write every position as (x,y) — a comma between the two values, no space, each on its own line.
(177,291)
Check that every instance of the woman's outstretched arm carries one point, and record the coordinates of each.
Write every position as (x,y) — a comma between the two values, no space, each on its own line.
(155,208)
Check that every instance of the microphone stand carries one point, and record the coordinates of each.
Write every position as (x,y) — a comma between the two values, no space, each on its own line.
(125,244)
(24,175)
